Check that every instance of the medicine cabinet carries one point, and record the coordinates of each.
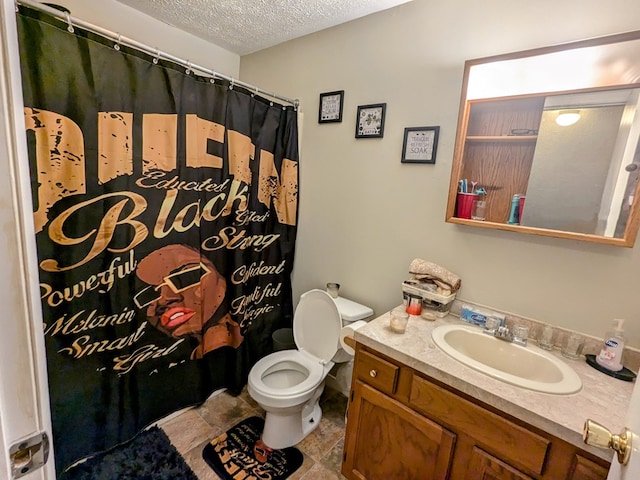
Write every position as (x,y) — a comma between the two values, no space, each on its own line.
(578,180)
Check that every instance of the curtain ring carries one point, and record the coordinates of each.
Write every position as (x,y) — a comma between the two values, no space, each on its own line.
(232,83)
(117,45)
(271,104)
(188,70)
(156,59)
(70,28)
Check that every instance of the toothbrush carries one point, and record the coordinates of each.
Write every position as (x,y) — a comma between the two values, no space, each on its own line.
(473,187)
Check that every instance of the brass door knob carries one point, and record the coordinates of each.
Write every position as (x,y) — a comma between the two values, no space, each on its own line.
(599,436)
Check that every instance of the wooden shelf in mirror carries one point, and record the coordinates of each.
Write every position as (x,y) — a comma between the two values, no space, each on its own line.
(490,149)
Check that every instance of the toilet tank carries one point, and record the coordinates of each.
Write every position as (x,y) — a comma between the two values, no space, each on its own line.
(351,311)
(339,378)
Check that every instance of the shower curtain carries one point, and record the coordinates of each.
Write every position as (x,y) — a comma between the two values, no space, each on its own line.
(165,206)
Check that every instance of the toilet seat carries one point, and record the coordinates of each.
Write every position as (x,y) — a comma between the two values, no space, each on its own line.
(317,324)
(283,360)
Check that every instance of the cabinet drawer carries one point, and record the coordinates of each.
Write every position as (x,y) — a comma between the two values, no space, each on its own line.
(377,372)
(483,465)
(509,441)
(584,469)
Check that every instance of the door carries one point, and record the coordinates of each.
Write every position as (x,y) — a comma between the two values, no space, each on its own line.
(631,471)
(24,397)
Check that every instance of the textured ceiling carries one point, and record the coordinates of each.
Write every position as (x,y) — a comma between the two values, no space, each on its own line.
(246,26)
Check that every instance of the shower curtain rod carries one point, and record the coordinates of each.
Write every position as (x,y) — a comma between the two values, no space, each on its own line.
(122,40)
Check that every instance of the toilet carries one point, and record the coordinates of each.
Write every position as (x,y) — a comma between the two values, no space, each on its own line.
(288,384)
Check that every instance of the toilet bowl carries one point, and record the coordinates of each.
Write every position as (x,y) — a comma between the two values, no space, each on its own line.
(288,384)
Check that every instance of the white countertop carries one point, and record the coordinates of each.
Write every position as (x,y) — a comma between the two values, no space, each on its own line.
(603,399)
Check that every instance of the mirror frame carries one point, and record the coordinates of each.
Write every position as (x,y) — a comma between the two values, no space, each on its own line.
(633,220)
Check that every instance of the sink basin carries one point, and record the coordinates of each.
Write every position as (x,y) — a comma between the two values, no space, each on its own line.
(527,367)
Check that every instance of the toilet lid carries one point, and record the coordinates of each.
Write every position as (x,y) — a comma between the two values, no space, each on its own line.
(317,325)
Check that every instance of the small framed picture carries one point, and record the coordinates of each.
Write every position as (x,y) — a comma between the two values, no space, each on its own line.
(331,107)
(420,144)
(370,120)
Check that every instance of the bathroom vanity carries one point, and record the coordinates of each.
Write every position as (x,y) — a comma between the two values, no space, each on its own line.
(414,412)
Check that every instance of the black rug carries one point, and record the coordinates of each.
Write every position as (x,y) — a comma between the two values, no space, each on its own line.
(231,455)
(148,456)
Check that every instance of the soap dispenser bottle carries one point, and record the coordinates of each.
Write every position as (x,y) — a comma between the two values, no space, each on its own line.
(610,357)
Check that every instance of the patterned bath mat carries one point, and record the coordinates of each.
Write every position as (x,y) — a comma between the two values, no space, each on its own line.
(232,454)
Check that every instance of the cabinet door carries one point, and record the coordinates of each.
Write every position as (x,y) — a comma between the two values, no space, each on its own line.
(486,467)
(386,440)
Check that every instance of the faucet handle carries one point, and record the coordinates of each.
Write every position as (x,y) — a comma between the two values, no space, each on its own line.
(503,332)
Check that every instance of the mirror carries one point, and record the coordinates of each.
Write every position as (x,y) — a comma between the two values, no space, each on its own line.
(521,163)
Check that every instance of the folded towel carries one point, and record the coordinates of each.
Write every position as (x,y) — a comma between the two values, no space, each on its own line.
(448,281)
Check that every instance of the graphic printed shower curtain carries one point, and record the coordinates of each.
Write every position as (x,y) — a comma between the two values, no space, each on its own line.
(165,208)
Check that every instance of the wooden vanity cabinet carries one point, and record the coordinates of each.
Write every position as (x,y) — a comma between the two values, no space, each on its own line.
(404,425)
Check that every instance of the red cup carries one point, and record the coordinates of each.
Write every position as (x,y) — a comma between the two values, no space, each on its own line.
(414,304)
(464,204)
(521,207)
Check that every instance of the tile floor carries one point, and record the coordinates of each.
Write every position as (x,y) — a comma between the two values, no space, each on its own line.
(192,429)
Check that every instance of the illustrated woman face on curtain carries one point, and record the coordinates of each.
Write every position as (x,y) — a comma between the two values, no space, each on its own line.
(185,291)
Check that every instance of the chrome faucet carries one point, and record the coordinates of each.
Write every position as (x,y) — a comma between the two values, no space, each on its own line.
(502,332)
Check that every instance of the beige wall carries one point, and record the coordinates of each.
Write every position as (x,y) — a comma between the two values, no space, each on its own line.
(364,216)
(131,23)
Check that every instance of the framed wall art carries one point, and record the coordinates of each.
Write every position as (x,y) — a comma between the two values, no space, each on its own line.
(370,120)
(331,107)
(420,144)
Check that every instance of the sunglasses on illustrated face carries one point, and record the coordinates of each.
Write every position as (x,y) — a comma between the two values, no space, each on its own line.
(178,282)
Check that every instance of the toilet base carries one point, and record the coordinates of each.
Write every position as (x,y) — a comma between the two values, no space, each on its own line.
(284,428)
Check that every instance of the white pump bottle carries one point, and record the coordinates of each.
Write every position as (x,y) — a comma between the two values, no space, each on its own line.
(610,357)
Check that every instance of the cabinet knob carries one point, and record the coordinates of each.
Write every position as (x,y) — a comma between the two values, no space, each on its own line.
(598,436)
(373,373)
